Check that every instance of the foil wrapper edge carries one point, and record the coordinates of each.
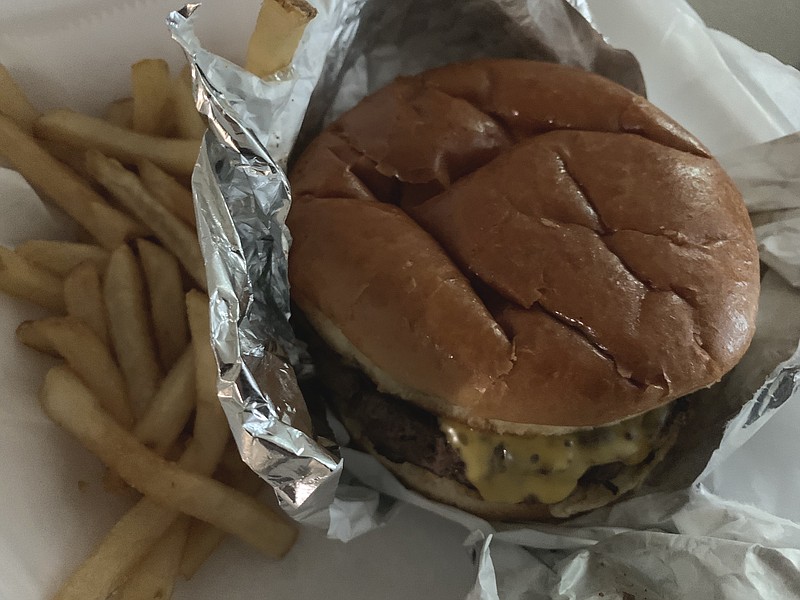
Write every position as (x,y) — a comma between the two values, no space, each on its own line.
(242,199)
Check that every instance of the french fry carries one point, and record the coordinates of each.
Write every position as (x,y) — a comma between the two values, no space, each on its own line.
(188,122)
(65,188)
(165,417)
(167,190)
(74,158)
(93,397)
(83,297)
(171,407)
(175,235)
(123,292)
(150,82)
(14,103)
(120,113)
(278,30)
(129,540)
(120,551)
(62,257)
(203,537)
(22,279)
(200,325)
(201,542)
(86,355)
(96,398)
(72,406)
(154,577)
(174,155)
(167,305)
(132,536)
(210,434)
(34,340)
(211,427)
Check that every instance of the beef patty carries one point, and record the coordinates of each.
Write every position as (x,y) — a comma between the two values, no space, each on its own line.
(405,433)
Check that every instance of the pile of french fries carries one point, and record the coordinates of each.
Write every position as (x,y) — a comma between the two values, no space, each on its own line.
(137,385)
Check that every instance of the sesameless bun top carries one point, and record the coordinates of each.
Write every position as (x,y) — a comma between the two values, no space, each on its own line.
(522,246)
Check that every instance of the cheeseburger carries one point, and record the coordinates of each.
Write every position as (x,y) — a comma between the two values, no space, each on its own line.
(517,269)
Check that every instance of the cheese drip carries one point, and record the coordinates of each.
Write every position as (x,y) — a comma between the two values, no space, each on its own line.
(511,468)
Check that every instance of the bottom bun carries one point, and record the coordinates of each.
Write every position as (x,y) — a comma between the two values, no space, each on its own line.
(587,496)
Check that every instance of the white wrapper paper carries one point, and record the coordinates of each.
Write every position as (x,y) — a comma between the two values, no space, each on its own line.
(769,177)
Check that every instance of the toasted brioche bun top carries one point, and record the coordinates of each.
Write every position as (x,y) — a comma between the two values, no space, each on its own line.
(524,247)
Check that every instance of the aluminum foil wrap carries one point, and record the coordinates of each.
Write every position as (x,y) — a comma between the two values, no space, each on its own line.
(242,195)
(242,198)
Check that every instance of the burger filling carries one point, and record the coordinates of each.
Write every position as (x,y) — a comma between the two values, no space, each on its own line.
(512,468)
(501,468)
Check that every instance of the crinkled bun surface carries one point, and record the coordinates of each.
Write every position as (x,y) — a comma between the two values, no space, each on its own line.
(523,247)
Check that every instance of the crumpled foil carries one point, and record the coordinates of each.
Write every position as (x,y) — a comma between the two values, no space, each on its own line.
(242,195)
(242,198)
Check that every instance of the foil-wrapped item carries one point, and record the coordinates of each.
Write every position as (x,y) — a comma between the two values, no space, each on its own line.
(242,199)
(242,195)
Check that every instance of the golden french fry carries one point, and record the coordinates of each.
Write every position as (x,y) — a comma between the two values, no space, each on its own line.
(120,113)
(83,297)
(22,279)
(62,257)
(278,30)
(167,305)
(123,292)
(82,131)
(188,122)
(65,188)
(154,577)
(35,340)
(151,85)
(74,158)
(210,434)
(119,552)
(200,325)
(171,407)
(210,427)
(203,537)
(132,536)
(201,542)
(130,539)
(72,406)
(168,191)
(165,418)
(14,103)
(86,355)
(175,235)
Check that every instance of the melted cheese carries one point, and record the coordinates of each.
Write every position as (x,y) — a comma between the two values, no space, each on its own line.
(511,468)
